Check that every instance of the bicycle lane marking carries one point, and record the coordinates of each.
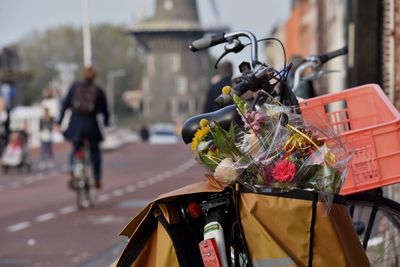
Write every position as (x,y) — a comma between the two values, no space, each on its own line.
(104,197)
(18,226)
(45,217)
(30,179)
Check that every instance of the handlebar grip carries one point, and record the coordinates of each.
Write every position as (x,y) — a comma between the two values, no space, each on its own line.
(207,42)
(328,56)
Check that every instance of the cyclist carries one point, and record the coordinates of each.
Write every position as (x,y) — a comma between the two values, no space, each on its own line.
(86,100)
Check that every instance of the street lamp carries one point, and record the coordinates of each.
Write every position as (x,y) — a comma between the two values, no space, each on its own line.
(111,75)
(87,45)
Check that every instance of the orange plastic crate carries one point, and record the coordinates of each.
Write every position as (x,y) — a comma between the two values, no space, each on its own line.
(369,125)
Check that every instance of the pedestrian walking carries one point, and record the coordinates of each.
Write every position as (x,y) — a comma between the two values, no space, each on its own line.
(46,141)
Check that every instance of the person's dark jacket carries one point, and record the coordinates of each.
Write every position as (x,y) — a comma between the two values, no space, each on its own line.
(84,125)
(214,92)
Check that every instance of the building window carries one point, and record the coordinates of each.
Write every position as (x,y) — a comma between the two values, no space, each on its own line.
(168,5)
(151,68)
(146,85)
(175,62)
(181,84)
(183,107)
(169,107)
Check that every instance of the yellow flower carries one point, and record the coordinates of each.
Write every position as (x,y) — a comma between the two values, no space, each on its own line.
(226,90)
(203,123)
(198,136)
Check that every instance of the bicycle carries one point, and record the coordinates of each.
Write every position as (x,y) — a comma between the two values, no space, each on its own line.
(376,217)
(83,180)
(176,220)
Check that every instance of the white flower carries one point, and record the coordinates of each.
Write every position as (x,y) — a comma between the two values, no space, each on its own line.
(226,172)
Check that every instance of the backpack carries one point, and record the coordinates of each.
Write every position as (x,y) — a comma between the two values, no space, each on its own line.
(84,99)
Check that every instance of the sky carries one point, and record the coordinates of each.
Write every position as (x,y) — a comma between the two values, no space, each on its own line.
(20,17)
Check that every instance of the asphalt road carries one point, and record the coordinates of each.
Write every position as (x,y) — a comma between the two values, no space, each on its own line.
(41,226)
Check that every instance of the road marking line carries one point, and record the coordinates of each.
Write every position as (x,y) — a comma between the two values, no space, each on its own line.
(45,217)
(103,198)
(54,172)
(152,180)
(67,209)
(14,185)
(118,192)
(137,203)
(130,188)
(18,226)
(160,178)
(142,184)
(29,180)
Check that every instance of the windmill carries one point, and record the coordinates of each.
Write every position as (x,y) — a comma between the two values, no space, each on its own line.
(175,80)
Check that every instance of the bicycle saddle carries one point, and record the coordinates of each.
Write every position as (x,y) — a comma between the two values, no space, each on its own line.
(224,117)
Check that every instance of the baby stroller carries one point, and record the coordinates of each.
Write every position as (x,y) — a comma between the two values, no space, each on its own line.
(16,153)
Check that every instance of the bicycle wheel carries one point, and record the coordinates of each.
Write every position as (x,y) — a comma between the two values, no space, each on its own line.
(80,185)
(89,182)
(377,222)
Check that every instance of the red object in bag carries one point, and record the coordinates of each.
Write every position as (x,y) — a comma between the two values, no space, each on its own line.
(209,253)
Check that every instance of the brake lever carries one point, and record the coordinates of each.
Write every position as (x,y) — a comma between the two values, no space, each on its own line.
(316,75)
(219,59)
(235,46)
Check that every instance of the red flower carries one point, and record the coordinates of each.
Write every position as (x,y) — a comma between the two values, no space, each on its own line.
(284,171)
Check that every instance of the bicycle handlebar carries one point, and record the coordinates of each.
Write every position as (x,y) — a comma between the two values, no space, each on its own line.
(207,42)
(328,56)
(216,39)
(314,62)
(250,82)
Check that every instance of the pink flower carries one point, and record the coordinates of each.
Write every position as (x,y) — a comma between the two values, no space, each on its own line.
(254,120)
(284,171)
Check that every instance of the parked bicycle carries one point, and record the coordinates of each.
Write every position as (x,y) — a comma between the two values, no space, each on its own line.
(247,227)
(376,217)
(83,180)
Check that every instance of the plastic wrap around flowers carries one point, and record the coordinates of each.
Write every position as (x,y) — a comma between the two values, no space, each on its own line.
(274,147)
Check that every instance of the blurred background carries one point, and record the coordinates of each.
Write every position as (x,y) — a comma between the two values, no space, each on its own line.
(45,48)
(153,82)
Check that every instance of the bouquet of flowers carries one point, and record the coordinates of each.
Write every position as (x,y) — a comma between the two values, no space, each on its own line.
(274,148)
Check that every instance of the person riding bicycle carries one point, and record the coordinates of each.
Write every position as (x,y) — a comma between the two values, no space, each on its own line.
(86,100)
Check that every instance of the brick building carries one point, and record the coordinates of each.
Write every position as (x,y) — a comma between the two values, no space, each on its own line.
(370,29)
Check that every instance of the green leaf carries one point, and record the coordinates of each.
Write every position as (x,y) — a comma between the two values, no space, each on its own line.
(240,103)
(232,131)
(208,162)
(219,137)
